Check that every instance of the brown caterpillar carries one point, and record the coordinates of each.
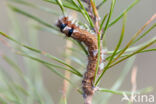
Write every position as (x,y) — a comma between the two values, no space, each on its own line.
(71,30)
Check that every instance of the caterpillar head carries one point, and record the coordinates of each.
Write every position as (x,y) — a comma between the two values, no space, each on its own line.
(66,26)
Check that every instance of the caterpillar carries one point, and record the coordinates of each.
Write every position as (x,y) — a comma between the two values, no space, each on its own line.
(70,29)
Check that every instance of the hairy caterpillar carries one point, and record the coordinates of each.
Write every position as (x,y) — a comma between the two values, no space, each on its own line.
(71,30)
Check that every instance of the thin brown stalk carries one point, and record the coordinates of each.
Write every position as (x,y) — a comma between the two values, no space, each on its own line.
(68,52)
(97,26)
(133,80)
(96,15)
(92,10)
(67,73)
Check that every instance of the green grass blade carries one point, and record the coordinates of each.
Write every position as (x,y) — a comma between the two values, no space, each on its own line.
(103,21)
(98,58)
(78,61)
(118,45)
(14,66)
(134,37)
(143,51)
(15,25)
(105,69)
(29,4)
(109,17)
(122,14)
(133,42)
(101,3)
(144,34)
(11,62)
(121,78)
(32,17)
(131,49)
(65,4)
(58,73)
(97,66)
(82,47)
(50,64)
(62,62)
(14,93)
(148,50)
(151,42)
(145,90)
(40,52)
(85,13)
(136,48)
(59,2)
(114,91)
(20,89)
(13,90)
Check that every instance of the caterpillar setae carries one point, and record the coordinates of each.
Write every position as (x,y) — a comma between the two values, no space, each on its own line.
(89,39)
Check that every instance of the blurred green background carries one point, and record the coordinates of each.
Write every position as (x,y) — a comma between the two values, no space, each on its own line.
(55,45)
